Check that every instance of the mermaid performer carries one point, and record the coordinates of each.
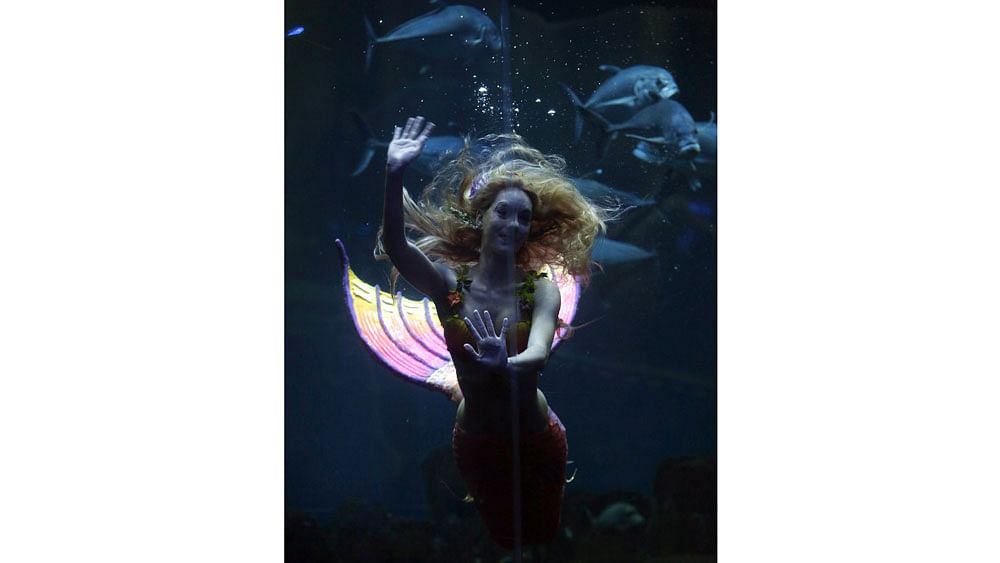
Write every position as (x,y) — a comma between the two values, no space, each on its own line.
(490,224)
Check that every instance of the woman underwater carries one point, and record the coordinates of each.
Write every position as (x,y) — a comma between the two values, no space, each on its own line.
(488,221)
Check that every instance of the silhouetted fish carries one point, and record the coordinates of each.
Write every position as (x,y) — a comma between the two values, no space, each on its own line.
(607,251)
(671,125)
(598,191)
(444,34)
(701,166)
(436,149)
(630,89)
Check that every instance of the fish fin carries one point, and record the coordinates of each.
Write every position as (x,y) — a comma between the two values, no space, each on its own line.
(604,143)
(370,143)
(406,335)
(371,43)
(597,118)
(403,334)
(623,101)
(711,117)
(643,155)
(479,40)
(654,140)
(578,107)
(366,158)
(591,115)
(610,68)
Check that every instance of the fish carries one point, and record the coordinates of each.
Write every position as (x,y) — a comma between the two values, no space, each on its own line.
(618,517)
(436,149)
(702,166)
(708,140)
(598,191)
(295,31)
(607,251)
(670,123)
(629,89)
(445,33)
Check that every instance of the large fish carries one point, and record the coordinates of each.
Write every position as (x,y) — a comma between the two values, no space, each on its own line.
(598,191)
(436,149)
(666,123)
(607,251)
(693,170)
(629,90)
(444,34)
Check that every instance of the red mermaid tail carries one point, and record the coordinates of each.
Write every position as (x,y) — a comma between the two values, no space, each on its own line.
(485,461)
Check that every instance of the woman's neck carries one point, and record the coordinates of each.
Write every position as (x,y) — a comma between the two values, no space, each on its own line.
(496,270)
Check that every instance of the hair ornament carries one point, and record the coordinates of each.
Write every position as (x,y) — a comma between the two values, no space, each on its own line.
(485,178)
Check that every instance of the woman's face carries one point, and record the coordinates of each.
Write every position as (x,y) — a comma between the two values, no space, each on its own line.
(507,221)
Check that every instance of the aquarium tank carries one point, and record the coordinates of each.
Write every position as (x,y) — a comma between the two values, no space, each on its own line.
(625,92)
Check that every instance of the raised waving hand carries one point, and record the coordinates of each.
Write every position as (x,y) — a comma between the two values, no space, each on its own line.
(408,142)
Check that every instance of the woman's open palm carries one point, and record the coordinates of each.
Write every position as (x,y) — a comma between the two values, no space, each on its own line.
(408,142)
(492,352)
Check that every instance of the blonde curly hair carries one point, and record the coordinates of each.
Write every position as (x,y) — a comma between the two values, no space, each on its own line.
(564,223)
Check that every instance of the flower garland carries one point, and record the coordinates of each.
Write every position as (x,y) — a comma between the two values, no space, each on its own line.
(455,296)
(525,292)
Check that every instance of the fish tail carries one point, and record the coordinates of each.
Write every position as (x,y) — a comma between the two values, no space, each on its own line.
(585,113)
(606,134)
(371,43)
(370,144)
(605,142)
(578,107)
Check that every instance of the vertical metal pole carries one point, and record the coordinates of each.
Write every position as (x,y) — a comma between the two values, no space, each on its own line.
(508,127)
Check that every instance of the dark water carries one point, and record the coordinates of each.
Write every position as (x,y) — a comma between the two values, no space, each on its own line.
(636,390)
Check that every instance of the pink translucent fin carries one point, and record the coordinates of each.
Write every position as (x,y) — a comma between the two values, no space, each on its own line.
(406,335)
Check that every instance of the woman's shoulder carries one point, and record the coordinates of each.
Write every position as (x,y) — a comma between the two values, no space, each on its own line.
(547,287)
(448,273)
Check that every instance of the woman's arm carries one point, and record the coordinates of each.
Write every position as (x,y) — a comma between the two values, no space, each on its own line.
(543,328)
(427,277)
(492,352)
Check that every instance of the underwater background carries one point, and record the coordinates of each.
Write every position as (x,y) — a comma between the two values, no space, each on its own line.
(365,452)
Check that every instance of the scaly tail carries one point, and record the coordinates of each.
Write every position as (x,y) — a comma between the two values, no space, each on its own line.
(370,144)
(371,43)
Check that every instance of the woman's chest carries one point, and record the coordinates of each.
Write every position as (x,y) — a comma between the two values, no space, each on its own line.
(499,306)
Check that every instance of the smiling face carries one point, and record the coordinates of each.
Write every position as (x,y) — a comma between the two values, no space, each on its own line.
(507,221)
